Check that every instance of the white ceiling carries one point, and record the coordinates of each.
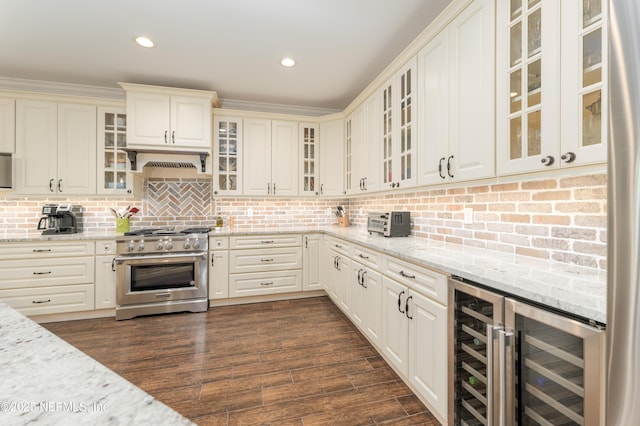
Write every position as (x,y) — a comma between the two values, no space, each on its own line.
(231,46)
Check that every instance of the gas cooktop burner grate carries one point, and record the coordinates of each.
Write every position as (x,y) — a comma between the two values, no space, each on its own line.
(166,231)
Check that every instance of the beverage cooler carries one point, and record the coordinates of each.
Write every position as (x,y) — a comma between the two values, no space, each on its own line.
(512,363)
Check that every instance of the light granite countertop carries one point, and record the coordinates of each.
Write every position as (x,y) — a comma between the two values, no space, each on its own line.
(47,381)
(573,289)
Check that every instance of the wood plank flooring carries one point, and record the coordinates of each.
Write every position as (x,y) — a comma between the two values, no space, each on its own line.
(296,362)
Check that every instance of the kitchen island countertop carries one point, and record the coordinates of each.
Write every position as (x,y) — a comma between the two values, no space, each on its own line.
(45,380)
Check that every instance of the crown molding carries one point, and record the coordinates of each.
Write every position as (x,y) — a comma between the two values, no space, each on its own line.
(275,108)
(56,88)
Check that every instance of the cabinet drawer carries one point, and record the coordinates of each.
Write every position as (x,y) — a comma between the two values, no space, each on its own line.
(258,283)
(265,260)
(430,283)
(218,243)
(105,247)
(339,246)
(50,300)
(370,258)
(46,272)
(265,241)
(45,249)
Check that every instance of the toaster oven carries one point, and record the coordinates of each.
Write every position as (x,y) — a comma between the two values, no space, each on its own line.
(389,224)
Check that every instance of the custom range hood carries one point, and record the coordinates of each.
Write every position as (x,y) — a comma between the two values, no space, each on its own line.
(139,158)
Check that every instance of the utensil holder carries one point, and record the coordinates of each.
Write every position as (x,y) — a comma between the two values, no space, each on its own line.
(343,220)
(122,225)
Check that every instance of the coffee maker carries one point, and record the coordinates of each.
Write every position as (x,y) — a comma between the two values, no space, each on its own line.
(60,219)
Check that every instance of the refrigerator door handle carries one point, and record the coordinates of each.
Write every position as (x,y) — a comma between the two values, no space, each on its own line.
(492,334)
(505,338)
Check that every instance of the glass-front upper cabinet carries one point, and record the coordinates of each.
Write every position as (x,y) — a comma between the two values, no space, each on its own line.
(584,76)
(227,155)
(398,112)
(114,175)
(309,157)
(348,156)
(528,84)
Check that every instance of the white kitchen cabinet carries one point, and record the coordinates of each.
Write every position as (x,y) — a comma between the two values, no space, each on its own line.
(339,276)
(398,112)
(309,158)
(55,148)
(218,268)
(551,89)
(162,117)
(7,125)
(331,158)
(364,153)
(311,275)
(456,98)
(366,300)
(414,331)
(271,165)
(114,172)
(227,155)
(105,279)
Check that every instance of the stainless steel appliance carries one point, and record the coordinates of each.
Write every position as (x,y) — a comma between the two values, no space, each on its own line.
(512,363)
(623,235)
(161,271)
(5,171)
(390,224)
(60,219)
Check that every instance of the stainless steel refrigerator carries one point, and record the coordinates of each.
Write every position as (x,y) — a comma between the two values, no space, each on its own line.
(623,257)
(513,363)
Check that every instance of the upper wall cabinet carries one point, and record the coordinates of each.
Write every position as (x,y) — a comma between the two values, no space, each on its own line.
(309,153)
(55,148)
(550,104)
(271,163)
(171,118)
(398,128)
(456,97)
(7,125)
(227,155)
(114,176)
(331,159)
(363,149)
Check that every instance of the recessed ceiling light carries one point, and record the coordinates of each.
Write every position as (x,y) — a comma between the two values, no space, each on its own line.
(144,42)
(288,62)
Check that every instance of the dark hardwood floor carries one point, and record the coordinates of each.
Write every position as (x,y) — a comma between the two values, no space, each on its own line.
(297,362)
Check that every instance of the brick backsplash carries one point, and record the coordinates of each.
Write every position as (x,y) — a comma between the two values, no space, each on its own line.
(561,219)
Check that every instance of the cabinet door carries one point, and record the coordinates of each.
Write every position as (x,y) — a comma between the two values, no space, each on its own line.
(343,280)
(370,144)
(219,274)
(330,271)
(149,119)
(7,125)
(584,91)
(358,295)
(395,326)
(528,85)
(372,284)
(349,157)
(309,142)
(227,155)
(76,149)
(190,122)
(257,162)
(472,93)
(284,158)
(433,81)
(359,155)
(113,168)
(428,350)
(36,147)
(311,263)
(105,292)
(331,159)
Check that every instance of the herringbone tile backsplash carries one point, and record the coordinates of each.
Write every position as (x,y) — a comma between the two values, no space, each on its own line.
(178,198)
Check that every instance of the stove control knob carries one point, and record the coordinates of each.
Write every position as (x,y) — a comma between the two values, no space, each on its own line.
(169,245)
(159,246)
(130,246)
(186,245)
(196,245)
(141,246)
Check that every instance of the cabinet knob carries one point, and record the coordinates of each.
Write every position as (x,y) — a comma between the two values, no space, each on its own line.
(548,160)
(568,157)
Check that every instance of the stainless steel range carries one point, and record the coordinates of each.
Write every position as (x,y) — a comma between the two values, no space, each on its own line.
(160,270)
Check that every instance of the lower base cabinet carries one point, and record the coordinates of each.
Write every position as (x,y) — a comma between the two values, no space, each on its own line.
(105,282)
(366,301)
(50,300)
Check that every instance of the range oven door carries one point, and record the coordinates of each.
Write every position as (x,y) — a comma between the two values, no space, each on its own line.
(156,278)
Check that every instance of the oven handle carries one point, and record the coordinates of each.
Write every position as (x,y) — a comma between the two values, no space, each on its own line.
(123,259)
